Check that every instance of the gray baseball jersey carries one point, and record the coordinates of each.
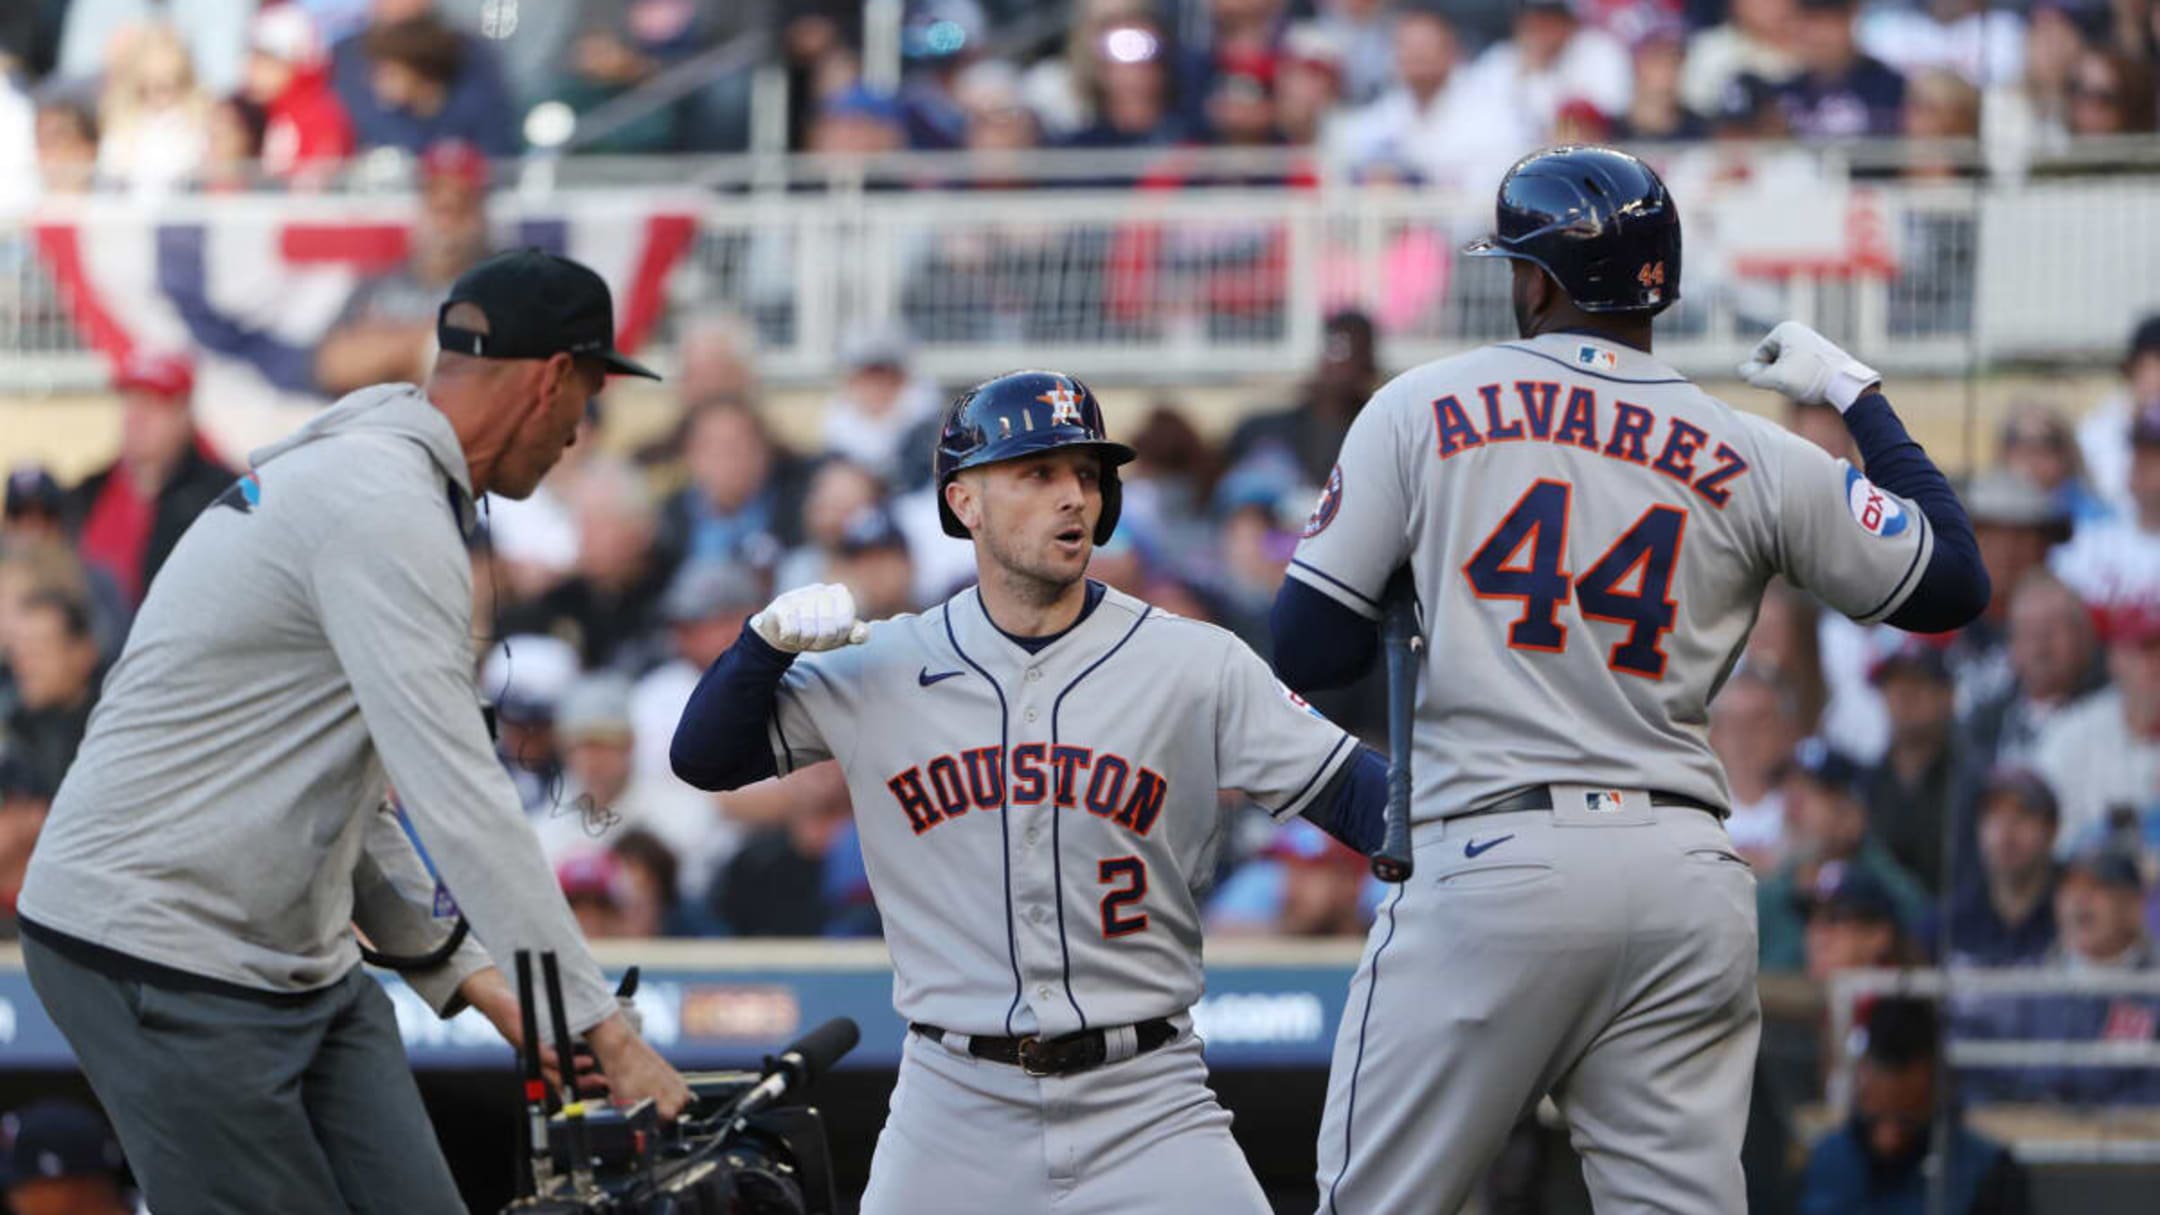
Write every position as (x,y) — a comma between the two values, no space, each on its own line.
(1035,825)
(1590,535)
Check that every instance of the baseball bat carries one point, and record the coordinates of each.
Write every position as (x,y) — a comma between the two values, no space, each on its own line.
(1405,648)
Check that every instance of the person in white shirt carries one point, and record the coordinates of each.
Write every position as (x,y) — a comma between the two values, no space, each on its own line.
(1428,122)
(2119,559)
(880,405)
(1752,42)
(1983,43)
(1519,86)
(1754,724)
(2104,751)
(2100,435)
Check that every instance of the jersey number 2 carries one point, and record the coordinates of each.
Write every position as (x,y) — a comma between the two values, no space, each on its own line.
(1132,872)
(1525,559)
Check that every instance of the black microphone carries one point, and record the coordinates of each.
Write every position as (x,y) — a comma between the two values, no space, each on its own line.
(807,1058)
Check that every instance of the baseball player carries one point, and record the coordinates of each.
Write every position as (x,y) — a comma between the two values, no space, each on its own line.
(1034,766)
(1589,535)
(189,916)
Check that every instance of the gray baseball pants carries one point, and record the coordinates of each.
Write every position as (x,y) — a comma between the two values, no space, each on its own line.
(232,1106)
(1606,957)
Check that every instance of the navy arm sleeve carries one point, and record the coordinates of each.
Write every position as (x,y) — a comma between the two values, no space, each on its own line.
(1954,587)
(1319,643)
(720,742)
(1353,808)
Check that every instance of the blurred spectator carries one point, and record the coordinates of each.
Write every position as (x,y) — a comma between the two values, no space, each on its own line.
(1786,646)
(1753,727)
(67,146)
(1302,884)
(1365,32)
(1310,432)
(307,134)
(1939,105)
(2039,445)
(129,515)
(1423,120)
(1062,89)
(622,45)
(1241,102)
(1244,27)
(939,40)
(1552,58)
(34,567)
(36,518)
(648,889)
(534,539)
(1168,488)
(2052,46)
(744,497)
(880,406)
(717,359)
(61,1159)
(592,884)
(1925,782)
(1882,1161)
(2053,662)
(233,159)
(1981,42)
(2004,911)
(524,678)
(1134,100)
(386,333)
(1260,506)
(592,729)
(2103,751)
(2102,435)
(871,560)
(2016,524)
(54,661)
(705,607)
(25,800)
(608,607)
(2120,558)
(2111,93)
(1756,41)
(1840,92)
(1309,96)
(1853,923)
(1657,110)
(997,123)
(1831,847)
(153,121)
(2099,913)
(215,33)
(838,491)
(410,81)
(856,123)
(784,880)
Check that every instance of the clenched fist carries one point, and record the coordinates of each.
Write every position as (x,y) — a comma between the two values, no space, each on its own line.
(1804,365)
(811,618)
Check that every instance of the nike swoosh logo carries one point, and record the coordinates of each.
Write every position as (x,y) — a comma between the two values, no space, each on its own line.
(1471,848)
(924,678)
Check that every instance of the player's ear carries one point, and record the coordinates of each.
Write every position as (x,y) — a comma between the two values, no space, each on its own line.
(961,497)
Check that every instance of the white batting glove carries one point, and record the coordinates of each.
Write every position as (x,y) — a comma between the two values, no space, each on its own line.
(1802,364)
(810,619)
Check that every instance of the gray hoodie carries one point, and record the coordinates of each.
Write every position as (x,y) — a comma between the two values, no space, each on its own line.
(308,636)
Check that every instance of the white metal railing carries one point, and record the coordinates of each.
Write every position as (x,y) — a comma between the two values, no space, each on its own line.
(1153,284)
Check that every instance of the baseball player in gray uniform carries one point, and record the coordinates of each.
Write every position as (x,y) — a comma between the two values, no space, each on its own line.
(1034,766)
(1589,536)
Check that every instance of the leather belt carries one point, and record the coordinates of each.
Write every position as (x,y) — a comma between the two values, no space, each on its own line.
(1061,1056)
(1539,797)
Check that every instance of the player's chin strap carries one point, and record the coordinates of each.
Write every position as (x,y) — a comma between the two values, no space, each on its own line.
(403,963)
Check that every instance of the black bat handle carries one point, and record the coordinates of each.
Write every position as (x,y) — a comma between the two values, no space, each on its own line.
(1405,648)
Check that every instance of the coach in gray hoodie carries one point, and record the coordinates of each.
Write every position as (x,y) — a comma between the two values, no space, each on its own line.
(189,914)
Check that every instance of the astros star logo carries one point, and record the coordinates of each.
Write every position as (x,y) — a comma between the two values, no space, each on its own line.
(1064,405)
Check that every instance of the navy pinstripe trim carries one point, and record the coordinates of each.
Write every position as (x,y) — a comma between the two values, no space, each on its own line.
(1578,370)
(1372,990)
(1057,851)
(1307,788)
(787,753)
(1012,939)
(1322,574)
(1910,569)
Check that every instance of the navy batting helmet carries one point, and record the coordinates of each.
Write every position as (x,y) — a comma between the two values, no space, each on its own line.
(1024,413)
(1598,220)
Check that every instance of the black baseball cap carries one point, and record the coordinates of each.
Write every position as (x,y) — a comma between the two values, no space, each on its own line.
(54,1139)
(32,488)
(1829,767)
(538,305)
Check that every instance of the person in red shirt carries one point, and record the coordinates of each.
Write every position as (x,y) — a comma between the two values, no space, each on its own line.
(128,517)
(308,134)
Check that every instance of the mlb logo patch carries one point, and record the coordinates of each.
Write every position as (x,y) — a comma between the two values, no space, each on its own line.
(1604,801)
(1596,358)
(1877,513)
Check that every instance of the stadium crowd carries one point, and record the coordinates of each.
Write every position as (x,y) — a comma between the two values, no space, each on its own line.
(150,95)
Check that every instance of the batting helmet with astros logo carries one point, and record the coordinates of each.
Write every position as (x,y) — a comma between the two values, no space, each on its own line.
(1598,220)
(1026,413)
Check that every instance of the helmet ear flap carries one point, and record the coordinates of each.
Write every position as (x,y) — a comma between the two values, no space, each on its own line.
(1113,503)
